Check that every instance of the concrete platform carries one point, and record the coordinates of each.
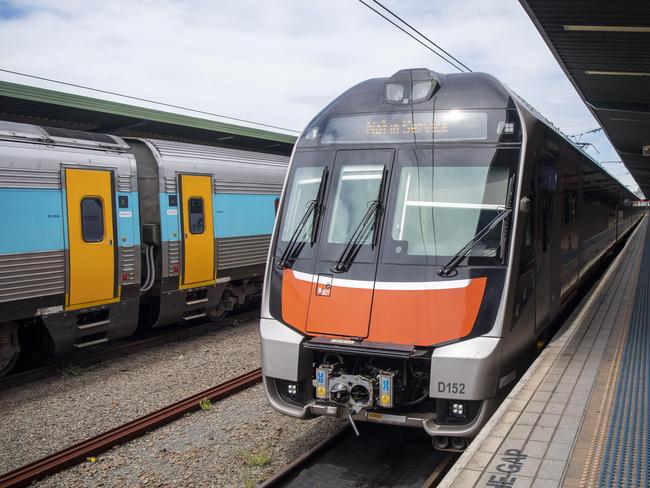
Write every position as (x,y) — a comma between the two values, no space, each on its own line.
(579,416)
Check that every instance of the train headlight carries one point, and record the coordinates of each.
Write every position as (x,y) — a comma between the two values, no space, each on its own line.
(421,90)
(457,409)
(395,93)
(292,389)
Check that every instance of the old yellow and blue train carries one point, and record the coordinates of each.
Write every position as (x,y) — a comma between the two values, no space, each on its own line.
(101,234)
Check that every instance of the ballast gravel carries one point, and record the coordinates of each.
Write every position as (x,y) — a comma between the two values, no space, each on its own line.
(220,447)
(239,442)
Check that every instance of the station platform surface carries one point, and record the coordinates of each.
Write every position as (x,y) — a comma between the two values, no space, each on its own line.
(580,415)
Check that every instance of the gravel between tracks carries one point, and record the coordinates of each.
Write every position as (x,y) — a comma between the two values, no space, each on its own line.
(238,443)
(48,415)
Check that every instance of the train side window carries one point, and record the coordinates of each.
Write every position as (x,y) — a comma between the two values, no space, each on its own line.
(569,209)
(197,221)
(92,219)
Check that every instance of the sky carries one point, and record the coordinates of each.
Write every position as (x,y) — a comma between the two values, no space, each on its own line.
(278,62)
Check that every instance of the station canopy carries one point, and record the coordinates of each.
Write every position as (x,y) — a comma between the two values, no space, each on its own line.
(604,48)
(33,105)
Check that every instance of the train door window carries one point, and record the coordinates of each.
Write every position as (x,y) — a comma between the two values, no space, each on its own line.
(357,188)
(196,217)
(92,219)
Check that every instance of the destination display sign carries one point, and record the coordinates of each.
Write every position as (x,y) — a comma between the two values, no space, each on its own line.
(443,125)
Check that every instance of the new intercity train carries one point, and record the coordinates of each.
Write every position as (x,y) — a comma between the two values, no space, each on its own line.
(430,229)
(102,234)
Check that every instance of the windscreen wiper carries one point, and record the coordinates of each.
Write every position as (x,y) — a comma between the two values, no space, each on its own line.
(294,247)
(372,216)
(453,263)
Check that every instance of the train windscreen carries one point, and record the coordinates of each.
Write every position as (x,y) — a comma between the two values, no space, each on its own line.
(440,208)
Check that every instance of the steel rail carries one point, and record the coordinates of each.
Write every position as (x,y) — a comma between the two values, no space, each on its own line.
(301,460)
(278,479)
(72,455)
(440,470)
(111,350)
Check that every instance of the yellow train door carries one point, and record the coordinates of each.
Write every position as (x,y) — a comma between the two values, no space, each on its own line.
(198,233)
(91,237)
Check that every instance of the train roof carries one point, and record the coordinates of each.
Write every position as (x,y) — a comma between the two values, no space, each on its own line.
(41,106)
(473,90)
(15,131)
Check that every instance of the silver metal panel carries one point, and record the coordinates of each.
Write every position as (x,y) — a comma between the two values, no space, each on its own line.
(234,252)
(170,184)
(30,164)
(63,137)
(173,257)
(29,178)
(283,356)
(233,171)
(16,130)
(129,264)
(170,149)
(254,187)
(124,182)
(31,275)
(466,370)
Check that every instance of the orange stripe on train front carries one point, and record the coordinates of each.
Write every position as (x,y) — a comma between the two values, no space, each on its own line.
(425,317)
(402,313)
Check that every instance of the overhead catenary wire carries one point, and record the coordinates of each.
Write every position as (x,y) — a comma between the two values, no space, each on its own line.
(412,36)
(156,102)
(422,35)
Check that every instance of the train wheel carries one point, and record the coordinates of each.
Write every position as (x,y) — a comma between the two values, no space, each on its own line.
(217,313)
(9,347)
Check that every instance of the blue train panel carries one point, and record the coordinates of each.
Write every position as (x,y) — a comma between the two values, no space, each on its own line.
(31,220)
(238,215)
(128,219)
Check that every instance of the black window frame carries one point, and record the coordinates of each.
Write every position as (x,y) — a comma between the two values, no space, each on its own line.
(190,213)
(84,228)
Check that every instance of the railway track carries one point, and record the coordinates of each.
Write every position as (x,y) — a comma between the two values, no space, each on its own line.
(91,447)
(380,456)
(88,357)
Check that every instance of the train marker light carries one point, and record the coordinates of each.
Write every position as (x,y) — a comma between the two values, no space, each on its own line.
(458,409)
(421,90)
(385,389)
(322,382)
(395,93)
(292,389)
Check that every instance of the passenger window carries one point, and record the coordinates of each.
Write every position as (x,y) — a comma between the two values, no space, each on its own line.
(92,219)
(197,222)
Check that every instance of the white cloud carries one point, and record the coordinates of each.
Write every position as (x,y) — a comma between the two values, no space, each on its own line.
(276,62)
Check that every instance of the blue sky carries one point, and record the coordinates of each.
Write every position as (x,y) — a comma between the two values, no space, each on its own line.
(278,62)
